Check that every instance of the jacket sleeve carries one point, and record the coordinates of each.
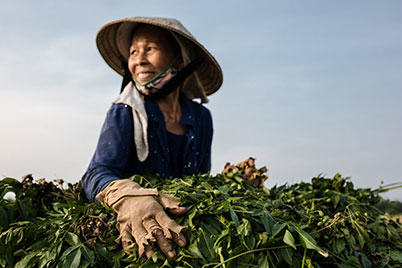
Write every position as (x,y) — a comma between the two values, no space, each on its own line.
(113,152)
(207,131)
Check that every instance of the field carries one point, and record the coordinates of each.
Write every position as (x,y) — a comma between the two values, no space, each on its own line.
(324,223)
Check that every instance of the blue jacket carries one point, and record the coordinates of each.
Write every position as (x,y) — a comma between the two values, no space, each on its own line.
(116,157)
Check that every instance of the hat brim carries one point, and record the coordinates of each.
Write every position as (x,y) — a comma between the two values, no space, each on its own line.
(114,38)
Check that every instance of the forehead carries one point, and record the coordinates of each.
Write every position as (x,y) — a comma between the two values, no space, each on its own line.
(149,33)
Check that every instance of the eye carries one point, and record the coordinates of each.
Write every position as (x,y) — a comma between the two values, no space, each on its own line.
(133,52)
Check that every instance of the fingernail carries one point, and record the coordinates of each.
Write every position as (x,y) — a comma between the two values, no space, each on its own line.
(171,254)
(149,254)
(181,243)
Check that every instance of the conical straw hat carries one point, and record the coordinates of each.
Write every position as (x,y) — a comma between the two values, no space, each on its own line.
(113,41)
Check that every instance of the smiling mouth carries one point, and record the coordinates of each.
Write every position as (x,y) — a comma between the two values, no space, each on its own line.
(145,76)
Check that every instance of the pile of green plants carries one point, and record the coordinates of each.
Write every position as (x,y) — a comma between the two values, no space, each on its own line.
(325,223)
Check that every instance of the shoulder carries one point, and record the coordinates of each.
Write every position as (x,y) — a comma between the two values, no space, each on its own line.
(119,110)
(118,115)
(203,118)
(200,111)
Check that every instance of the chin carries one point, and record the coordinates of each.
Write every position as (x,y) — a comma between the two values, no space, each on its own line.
(142,82)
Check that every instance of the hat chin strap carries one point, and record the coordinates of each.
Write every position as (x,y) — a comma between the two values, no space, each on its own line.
(171,85)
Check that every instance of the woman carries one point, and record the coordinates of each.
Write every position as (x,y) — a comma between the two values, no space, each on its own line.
(153,126)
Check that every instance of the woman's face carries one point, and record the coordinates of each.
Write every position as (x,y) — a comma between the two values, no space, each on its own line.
(150,53)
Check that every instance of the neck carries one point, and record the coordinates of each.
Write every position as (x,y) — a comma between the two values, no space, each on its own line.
(170,106)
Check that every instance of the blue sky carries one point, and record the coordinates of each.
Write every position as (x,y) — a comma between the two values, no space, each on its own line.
(309,86)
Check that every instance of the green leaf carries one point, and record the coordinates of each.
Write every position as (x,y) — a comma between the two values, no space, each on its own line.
(354,261)
(43,261)
(54,250)
(41,244)
(3,218)
(287,255)
(195,251)
(268,222)
(210,229)
(395,255)
(73,259)
(26,261)
(3,192)
(190,218)
(362,234)
(335,199)
(346,265)
(218,240)
(77,259)
(206,245)
(263,261)
(339,245)
(308,242)
(150,265)
(250,241)
(365,261)
(72,239)
(117,259)
(23,209)
(19,233)
(289,240)
(234,217)
(69,250)
(101,250)
(207,186)
(85,263)
(88,254)
(244,229)
(9,181)
(309,263)
(277,228)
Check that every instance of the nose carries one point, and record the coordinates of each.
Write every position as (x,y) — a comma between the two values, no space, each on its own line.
(140,58)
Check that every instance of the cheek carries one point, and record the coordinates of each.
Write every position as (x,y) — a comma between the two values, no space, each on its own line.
(131,66)
(159,60)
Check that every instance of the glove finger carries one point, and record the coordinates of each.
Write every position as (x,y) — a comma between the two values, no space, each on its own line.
(149,251)
(177,211)
(150,224)
(168,201)
(140,235)
(163,243)
(155,232)
(168,224)
(125,238)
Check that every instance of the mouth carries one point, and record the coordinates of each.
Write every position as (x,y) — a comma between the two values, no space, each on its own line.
(145,76)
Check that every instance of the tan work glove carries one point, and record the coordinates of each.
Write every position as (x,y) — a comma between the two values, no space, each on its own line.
(141,214)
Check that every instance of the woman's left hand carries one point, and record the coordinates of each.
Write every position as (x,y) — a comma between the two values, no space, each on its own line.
(141,217)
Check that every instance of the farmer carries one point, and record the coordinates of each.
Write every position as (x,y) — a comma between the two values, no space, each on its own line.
(153,127)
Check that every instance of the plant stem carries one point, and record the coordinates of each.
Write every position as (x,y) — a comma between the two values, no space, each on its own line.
(241,254)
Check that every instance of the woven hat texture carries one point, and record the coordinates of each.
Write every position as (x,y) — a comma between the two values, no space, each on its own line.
(113,41)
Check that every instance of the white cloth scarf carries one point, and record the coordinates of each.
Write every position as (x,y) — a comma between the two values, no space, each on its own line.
(131,97)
